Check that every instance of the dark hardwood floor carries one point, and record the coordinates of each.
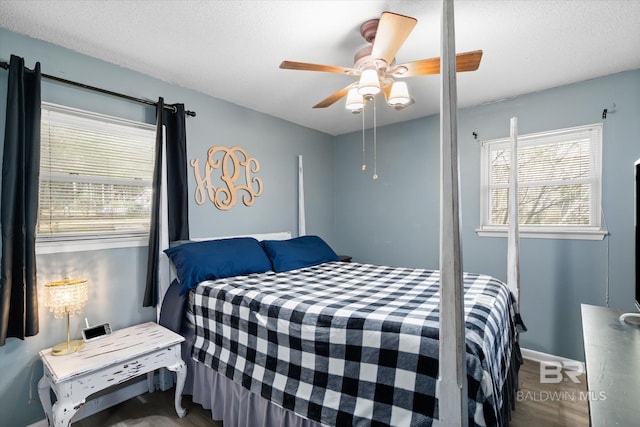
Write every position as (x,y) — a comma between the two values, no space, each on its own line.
(548,405)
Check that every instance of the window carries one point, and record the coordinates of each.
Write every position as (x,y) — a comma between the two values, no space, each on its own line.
(95,178)
(559,182)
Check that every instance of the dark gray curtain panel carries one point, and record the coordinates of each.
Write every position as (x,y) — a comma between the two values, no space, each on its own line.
(177,191)
(19,210)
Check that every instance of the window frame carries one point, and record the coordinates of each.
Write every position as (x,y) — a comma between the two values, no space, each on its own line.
(593,231)
(69,242)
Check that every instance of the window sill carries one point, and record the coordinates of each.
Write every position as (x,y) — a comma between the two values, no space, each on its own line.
(79,245)
(546,233)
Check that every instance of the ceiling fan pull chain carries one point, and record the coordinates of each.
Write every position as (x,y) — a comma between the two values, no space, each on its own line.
(364,165)
(375,144)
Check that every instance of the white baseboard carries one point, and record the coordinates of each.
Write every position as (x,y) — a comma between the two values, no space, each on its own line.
(540,357)
(105,401)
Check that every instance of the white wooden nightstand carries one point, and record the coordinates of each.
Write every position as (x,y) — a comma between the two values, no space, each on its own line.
(114,359)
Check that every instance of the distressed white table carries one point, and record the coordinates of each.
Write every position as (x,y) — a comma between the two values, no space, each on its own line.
(125,354)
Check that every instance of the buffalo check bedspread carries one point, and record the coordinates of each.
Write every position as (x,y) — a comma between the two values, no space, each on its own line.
(353,344)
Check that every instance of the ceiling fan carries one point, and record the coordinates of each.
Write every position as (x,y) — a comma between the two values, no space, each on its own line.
(375,65)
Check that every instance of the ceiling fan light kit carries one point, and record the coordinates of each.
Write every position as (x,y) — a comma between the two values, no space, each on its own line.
(369,85)
(399,95)
(355,101)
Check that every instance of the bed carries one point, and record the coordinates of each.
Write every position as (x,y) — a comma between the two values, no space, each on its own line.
(340,344)
(332,343)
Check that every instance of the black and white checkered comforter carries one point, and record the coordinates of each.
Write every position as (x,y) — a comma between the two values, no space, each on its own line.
(352,344)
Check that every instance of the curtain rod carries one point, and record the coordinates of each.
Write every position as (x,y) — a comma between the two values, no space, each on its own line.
(5,65)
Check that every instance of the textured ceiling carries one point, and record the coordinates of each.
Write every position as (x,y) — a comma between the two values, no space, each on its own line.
(231,49)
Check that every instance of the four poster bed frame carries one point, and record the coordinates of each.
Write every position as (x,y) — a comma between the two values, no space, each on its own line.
(236,405)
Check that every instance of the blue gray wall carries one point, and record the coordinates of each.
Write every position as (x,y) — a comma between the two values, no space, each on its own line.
(117,276)
(395,219)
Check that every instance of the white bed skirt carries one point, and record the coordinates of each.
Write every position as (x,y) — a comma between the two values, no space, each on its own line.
(236,406)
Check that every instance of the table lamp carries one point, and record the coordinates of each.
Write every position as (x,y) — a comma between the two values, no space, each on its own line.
(66,297)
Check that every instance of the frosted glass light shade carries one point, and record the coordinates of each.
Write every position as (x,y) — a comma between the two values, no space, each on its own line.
(68,295)
(369,84)
(399,94)
(355,101)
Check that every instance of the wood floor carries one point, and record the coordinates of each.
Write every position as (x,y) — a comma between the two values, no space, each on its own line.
(151,410)
(548,405)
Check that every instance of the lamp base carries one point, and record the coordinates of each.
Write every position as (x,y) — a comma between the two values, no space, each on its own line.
(62,348)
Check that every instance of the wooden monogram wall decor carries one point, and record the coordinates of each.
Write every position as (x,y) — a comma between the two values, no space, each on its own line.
(235,171)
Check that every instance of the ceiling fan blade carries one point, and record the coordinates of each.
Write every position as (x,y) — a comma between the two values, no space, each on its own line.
(467,61)
(393,30)
(334,97)
(305,66)
(386,90)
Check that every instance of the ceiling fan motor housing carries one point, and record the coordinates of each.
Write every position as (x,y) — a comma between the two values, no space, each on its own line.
(368,29)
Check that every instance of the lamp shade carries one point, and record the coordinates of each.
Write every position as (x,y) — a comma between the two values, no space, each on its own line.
(66,296)
(369,84)
(399,94)
(355,101)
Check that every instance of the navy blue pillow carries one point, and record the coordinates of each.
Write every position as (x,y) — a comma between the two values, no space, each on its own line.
(216,259)
(173,306)
(296,253)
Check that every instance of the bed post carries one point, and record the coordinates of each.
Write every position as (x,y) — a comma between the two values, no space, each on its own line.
(513,239)
(452,375)
(301,223)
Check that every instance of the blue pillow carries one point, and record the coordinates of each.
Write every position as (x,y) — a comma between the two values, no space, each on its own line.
(296,253)
(173,306)
(216,259)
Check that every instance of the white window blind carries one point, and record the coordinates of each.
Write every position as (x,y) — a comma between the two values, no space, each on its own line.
(559,181)
(95,176)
